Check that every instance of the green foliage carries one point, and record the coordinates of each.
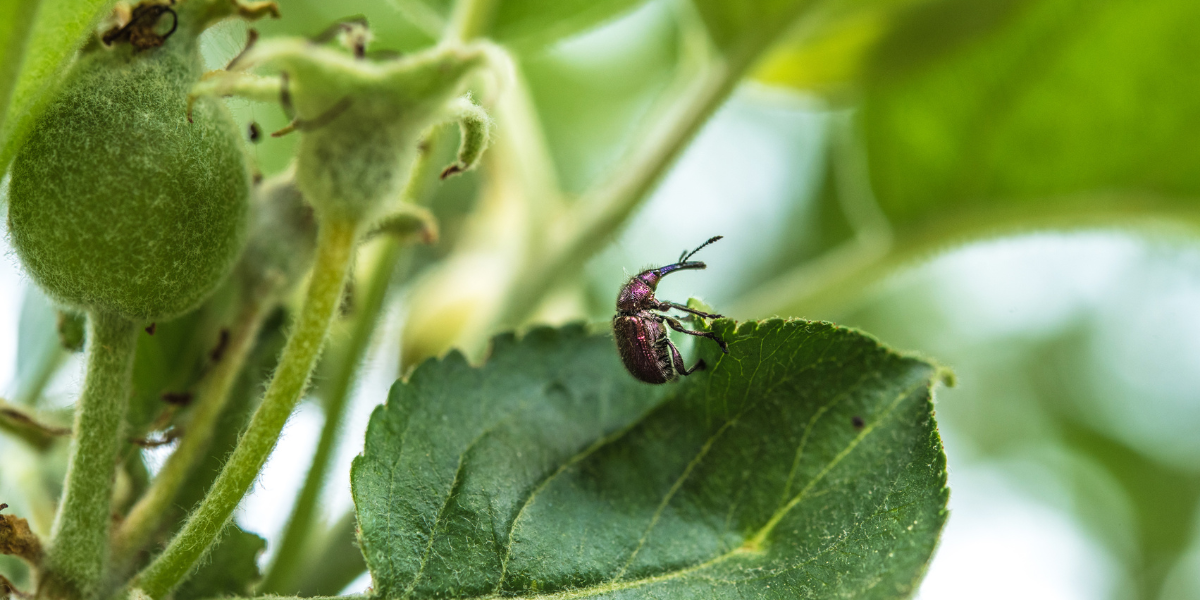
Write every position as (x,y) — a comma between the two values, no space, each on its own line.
(39,350)
(534,23)
(32,70)
(732,24)
(167,365)
(360,120)
(16,21)
(231,569)
(283,237)
(805,462)
(1017,107)
(117,202)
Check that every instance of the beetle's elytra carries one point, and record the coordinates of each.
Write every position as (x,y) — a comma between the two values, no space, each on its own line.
(641,333)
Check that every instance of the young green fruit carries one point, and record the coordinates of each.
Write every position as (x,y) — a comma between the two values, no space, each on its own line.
(117,203)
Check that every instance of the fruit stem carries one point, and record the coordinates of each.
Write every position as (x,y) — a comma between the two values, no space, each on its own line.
(335,249)
(289,561)
(146,516)
(79,541)
(470,19)
(393,258)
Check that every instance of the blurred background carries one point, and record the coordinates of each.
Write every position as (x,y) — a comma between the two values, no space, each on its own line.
(1005,186)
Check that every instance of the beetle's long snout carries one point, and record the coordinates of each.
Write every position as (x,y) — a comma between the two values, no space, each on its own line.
(695,264)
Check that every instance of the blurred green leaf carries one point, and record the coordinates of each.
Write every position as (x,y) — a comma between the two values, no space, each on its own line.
(980,118)
(337,563)
(595,97)
(806,462)
(532,23)
(167,362)
(16,21)
(827,59)
(39,351)
(59,29)
(1022,105)
(230,568)
(733,23)
(830,50)
(1038,400)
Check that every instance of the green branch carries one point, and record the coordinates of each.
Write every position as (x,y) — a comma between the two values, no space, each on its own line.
(146,516)
(289,562)
(471,19)
(335,248)
(79,542)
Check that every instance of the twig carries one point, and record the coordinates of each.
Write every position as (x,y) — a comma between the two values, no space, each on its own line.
(335,248)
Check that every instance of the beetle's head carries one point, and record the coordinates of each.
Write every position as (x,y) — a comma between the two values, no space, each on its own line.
(638,293)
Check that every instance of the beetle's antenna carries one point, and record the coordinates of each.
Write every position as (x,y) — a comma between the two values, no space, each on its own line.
(686,255)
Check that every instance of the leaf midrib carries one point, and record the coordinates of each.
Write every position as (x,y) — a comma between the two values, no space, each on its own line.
(745,549)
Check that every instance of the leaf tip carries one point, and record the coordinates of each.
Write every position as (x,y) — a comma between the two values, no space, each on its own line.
(946,376)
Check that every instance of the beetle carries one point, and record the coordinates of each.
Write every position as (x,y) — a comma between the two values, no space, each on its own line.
(641,333)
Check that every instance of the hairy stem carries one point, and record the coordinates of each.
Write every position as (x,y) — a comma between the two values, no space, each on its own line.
(79,542)
(470,19)
(288,567)
(146,516)
(289,564)
(335,248)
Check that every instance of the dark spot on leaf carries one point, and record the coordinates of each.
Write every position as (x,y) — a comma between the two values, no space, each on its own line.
(177,398)
(858,422)
(222,343)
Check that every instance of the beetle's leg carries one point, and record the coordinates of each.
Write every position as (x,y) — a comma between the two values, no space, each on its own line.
(677,360)
(677,326)
(678,306)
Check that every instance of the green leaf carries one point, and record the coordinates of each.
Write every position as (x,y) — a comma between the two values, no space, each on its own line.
(39,352)
(1023,105)
(805,463)
(733,23)
(168,362)
(59,29)
(531,23)
(831,52)
(230,569)
(16,21)
(986,118)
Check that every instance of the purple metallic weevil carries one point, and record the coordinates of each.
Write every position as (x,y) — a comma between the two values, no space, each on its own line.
(647,351)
